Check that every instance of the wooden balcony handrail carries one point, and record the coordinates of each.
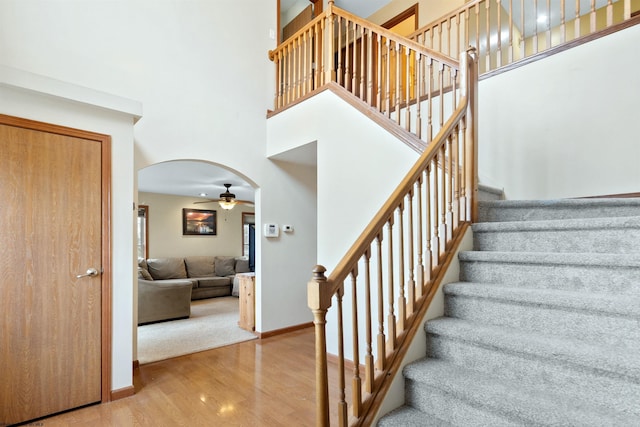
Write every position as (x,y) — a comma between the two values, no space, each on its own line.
(333,10)
(444,59)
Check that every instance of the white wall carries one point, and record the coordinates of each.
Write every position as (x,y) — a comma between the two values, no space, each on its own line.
(359,164)
(165,228)
(285,262)
(565,126)
(36,98)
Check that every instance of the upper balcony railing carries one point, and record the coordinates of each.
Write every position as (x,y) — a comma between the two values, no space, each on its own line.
(400,79)
(505,32)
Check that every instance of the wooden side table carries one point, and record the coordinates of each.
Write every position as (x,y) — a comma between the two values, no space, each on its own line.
(247,301)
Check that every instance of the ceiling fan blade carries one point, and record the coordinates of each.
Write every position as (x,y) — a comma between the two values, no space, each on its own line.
(239,202)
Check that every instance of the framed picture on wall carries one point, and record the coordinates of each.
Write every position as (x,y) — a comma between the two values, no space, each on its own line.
(198,222)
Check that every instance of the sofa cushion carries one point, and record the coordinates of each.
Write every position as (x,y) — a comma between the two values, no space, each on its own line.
(213,282)
(225,266)
(242,266)
(167,268)
(199,266)
(143,273)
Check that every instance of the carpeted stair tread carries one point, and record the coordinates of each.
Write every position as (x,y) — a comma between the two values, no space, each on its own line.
(543,327)
(507,398)
(623,222)
(554,258)
(606,304)
(575,354)
(582,235)
(406,416)
(586,272)
(521,210)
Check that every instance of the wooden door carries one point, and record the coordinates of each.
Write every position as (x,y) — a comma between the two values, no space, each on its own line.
(50,232)
(302,19)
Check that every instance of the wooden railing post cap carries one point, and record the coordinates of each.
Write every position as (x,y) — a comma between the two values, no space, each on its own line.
(318,294)
(318,273)
(329,10)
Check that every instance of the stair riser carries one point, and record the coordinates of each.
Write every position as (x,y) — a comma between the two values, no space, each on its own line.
(439,404)
(536,213)
(585,325)
(621,241)
(601,279)
(559,378)
(485,193)
(410,417)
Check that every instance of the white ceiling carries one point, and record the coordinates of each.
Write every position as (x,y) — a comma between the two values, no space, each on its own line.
(190,178)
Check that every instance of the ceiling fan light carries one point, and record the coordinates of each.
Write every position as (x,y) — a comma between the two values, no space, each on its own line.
(227,204)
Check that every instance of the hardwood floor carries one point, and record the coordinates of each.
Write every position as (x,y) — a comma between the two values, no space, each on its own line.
(267,382)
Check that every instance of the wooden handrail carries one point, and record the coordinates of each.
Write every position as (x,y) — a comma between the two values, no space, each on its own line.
(393,36)
(342,269)
(333,10)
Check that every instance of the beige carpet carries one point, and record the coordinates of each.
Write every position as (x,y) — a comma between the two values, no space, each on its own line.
(213,323)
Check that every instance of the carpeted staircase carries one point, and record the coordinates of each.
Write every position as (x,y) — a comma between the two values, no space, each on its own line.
(543,327)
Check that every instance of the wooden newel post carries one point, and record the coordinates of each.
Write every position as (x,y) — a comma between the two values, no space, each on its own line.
(329,70)
(319,301)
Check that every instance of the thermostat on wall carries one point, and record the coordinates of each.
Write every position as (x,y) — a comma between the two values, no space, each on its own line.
(271,230)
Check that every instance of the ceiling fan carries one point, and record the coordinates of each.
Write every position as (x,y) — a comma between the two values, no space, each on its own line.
(227,199)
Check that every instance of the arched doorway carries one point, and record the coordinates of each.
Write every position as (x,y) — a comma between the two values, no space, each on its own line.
(171,192)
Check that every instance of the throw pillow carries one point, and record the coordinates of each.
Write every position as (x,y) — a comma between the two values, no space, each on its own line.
(225,266)
(167,268)
(200,266)
(242,266)
(144,274)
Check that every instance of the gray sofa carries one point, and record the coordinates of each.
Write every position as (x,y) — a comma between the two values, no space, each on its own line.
(163,300)
(210,276)
(166,286)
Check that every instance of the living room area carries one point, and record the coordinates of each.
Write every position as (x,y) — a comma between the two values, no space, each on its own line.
(196,259)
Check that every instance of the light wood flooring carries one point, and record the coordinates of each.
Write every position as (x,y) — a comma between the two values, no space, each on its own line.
(267,382)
